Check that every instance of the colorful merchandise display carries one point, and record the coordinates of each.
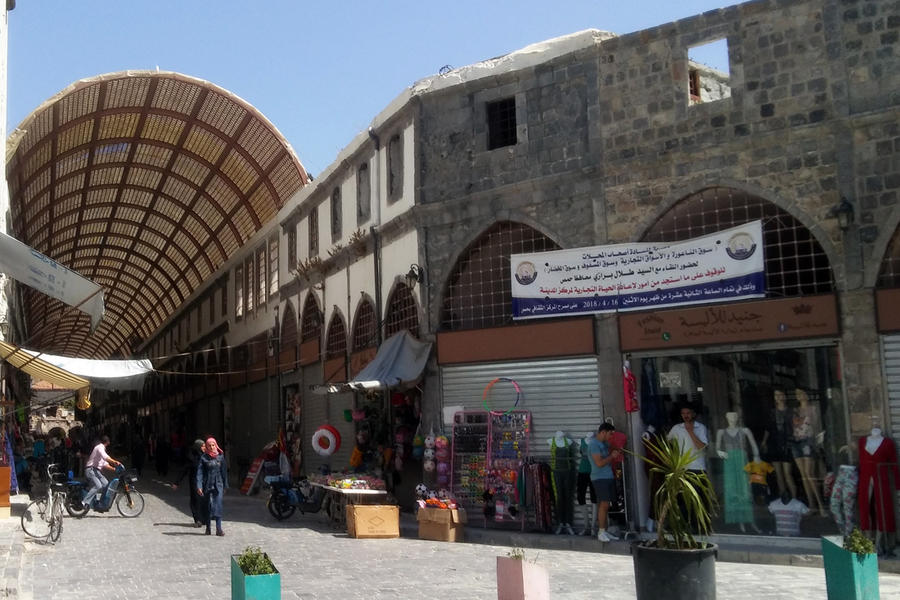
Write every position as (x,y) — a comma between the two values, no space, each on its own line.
(468,458)
(507,449)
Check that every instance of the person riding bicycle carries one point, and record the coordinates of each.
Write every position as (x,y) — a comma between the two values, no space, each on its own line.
(96,462)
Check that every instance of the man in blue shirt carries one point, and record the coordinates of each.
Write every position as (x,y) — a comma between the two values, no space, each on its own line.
(602,477)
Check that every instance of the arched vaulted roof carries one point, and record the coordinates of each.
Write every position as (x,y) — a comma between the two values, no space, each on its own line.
(145,182)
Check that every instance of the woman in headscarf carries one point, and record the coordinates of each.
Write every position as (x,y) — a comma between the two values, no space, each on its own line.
(212,481)
(198,509)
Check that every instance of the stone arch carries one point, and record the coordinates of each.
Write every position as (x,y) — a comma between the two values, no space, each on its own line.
(884,270)
(336,340)
(288,326)
(401,312)
(365,325)
(311,320)
(471,302)
(795,262)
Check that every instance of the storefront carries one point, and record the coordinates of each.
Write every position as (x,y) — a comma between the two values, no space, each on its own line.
(764,379)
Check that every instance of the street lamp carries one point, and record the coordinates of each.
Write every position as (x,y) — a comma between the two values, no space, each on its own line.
(843,212)
(416,274)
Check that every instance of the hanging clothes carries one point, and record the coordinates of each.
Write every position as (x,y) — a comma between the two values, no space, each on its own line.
(843,499)
(737,498)
(562,464)
(629,384)
(875,484)
(652,410)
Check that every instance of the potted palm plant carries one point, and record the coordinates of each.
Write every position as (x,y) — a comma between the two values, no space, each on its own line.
(851,567)
(253,576)
(676,565)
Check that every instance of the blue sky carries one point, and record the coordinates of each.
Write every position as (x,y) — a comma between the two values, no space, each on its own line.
(320,71)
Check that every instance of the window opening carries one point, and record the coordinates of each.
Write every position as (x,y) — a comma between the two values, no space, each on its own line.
(336,346)
(239,292)
(292,246)
(501,118)
(363,194)
(313,221)
(364,332)
(335,214)
(709,76)
(889,272)
(311,327)
(273,265)
(395,168)
(402,312)
(249,284)
(479,293)
(262,283)
(795,262)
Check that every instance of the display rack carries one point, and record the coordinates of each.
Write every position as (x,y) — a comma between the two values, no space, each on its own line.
(507,448)
(468,458)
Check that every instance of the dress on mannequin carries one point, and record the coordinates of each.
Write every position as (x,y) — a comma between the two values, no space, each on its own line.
(843,498)
(877,462)
(562,467)
(776,444)
(806,428)
(732,443)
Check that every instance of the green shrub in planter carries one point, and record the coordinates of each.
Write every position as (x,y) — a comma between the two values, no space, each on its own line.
(253,576)
(851,567)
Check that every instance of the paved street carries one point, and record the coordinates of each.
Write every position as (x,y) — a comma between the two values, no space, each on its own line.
(158,555)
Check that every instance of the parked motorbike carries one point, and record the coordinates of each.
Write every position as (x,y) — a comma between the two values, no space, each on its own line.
(288,496)
(120,491)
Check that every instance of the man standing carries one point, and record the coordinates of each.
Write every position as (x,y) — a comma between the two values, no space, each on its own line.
(96,462)
(602,477)
(691,436)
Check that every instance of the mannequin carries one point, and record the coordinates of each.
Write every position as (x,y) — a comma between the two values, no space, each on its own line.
(843,498)
(788,512)
(776,444)
(806,427)
(877,462)
(583,487)
(732,443)
(562,467)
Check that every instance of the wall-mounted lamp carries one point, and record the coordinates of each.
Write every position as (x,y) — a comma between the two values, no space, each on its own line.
(416,274)
(843,212)
(4,329)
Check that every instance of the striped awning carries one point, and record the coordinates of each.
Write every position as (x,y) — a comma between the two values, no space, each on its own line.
(44,371)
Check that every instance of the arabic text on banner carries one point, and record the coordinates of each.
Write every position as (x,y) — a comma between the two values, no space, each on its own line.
(727,265)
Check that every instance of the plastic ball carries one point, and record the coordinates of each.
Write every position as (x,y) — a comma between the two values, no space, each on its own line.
(443,494)
(443,479)
(428,465)
(421,489)
(429,440)
(418,441)
(429,454)
(441,442)
(443,468)
(442,454)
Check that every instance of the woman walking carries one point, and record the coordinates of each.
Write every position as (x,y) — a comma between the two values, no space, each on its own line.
(211,483)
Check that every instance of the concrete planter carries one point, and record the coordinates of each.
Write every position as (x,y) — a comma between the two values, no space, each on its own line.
(664,574)
(518,579)
(253,587)
(849,576)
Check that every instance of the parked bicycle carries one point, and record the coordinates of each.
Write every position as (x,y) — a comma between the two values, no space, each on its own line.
(43,517)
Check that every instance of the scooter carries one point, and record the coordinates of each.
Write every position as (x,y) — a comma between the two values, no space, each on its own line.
(120,491)
(288,496)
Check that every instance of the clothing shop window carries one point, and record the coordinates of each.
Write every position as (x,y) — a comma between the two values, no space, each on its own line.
(774,422)
(501,120)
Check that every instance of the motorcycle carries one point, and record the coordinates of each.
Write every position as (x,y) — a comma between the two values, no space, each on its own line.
(120,491)
(288,496)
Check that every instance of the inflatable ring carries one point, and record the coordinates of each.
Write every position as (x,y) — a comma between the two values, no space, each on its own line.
(487,390)
(326,440)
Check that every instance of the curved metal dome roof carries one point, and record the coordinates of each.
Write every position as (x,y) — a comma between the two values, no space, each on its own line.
(146,183)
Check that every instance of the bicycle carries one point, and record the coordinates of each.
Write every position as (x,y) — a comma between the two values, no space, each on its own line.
(43,518)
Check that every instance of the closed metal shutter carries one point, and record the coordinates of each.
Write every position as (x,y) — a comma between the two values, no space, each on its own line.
(562,394)
(890,352)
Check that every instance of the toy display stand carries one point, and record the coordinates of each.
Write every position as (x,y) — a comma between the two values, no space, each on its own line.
(468,459)
(507,448)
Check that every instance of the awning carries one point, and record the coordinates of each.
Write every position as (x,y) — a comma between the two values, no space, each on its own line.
(125,375)
(39,369)
(398,363)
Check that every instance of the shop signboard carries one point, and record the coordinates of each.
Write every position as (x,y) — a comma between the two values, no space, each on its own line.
(766,320)
(723,266)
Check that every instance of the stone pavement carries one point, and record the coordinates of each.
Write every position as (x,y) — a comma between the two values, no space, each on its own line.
(159,555)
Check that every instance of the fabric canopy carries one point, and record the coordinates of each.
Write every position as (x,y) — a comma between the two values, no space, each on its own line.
(40,369)
(398,363)
(102,374)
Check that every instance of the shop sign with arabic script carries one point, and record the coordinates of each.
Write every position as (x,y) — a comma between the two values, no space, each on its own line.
(767,320)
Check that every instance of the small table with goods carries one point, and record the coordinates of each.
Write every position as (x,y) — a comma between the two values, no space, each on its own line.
(360,498)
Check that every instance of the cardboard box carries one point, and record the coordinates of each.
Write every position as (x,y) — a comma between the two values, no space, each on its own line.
(441,524)
(373,521)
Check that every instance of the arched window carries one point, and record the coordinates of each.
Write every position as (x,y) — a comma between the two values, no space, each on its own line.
(336,345)
(288,328)
(478,293)
(889,272)
(364,327)
(402,312)
(795,263)
(311,327)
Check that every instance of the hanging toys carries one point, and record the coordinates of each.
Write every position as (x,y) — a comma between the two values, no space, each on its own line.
(429,464)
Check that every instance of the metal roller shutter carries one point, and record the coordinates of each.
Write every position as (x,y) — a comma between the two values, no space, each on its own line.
(890,352)
(561,394)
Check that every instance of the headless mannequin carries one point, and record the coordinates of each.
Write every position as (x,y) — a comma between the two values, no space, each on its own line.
(782,467)
(562,468)
(746,438)
(876,493)
(805,422)
(586,494)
